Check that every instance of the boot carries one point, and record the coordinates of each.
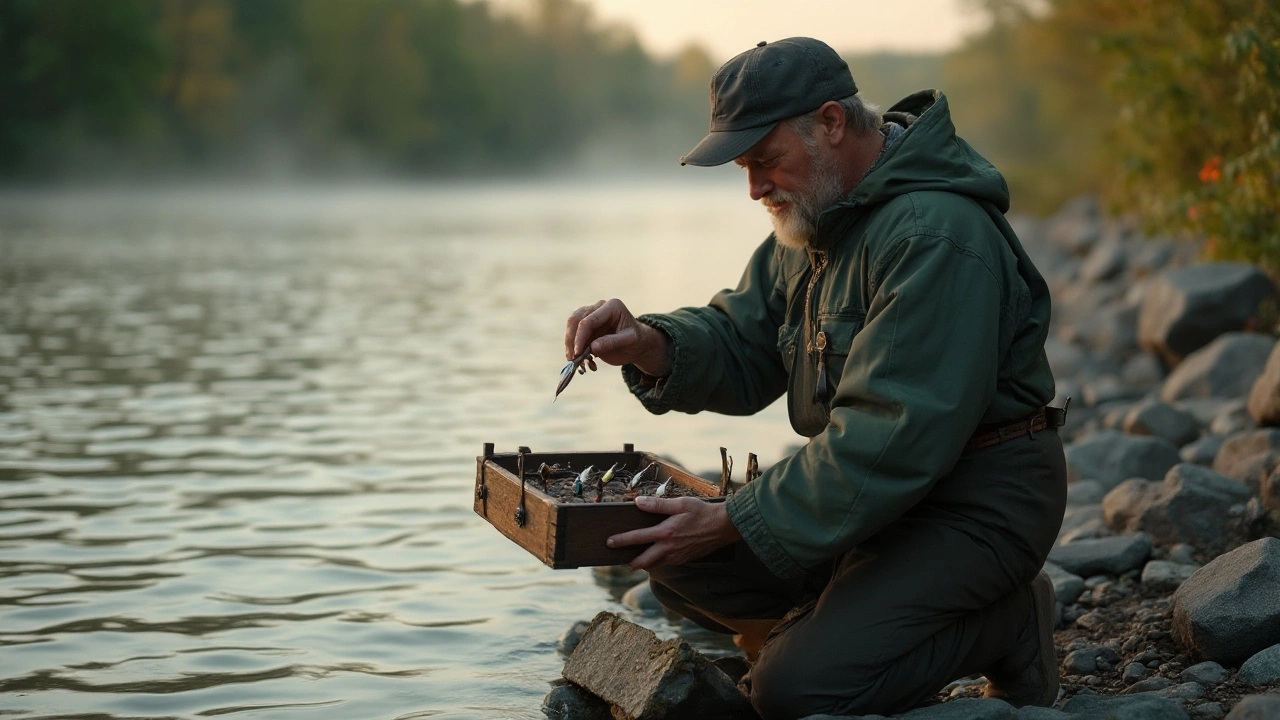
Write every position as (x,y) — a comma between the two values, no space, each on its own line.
(1028,674)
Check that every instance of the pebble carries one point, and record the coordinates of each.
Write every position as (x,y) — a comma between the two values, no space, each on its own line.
(1148,685)
(1133,672)
(1208,673)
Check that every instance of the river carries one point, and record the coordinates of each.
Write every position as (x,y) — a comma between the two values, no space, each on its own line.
(238,430)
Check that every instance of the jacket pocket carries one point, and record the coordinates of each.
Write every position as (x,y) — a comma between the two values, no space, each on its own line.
(840,331)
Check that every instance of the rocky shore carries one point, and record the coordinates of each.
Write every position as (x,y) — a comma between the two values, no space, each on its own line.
(1167,566)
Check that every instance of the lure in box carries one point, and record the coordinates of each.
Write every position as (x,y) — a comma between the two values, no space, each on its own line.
(571,532)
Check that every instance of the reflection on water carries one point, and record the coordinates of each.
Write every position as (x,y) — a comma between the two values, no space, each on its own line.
(238,430)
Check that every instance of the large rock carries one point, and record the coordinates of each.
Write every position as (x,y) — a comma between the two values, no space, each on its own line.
(1202,451)
(1153,417)
(645,678)
(963,709)
(570,702)
(1066,586)
(1188,507)
(1183,310)
(1124,707)
(1226,367)
(1264,398)
(1165,576)
(1263,668)
(1228,610)
(1256,707)
(1111,458)
(1077,226)
(1249,457)
(1111,555)
(1107,260)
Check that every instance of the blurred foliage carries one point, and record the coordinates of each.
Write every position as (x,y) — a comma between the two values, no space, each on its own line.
(1170,110)
(408,86)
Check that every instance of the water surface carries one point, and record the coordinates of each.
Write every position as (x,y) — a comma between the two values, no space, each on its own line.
(238,431)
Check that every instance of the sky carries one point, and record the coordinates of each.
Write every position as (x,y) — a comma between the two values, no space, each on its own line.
(728,27)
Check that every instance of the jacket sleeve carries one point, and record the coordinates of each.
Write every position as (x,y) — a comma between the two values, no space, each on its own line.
(916,382)
(725,355)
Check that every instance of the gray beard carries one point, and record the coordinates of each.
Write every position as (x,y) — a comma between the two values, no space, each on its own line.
(795,226)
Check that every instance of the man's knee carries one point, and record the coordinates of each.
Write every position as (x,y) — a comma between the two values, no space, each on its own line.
(788,685)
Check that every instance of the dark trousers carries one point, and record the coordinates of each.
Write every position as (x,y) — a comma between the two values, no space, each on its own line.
(934,596)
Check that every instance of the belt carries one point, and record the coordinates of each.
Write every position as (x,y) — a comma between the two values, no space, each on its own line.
(1046,417)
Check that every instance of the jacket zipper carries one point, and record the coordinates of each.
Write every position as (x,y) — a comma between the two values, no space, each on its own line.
(816,339)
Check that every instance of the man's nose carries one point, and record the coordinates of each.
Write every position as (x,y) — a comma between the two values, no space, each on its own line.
(758,183)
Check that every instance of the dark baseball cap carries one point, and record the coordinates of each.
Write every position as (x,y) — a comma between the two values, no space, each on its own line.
(769,83)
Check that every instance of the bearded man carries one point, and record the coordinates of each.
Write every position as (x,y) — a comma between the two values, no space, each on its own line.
(901,548)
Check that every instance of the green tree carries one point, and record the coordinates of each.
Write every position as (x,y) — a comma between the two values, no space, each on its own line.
(73,66)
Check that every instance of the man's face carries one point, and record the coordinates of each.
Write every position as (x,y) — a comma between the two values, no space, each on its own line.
(795,179)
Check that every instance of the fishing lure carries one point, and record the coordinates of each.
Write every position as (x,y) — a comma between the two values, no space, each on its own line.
(582,479)
(635,480)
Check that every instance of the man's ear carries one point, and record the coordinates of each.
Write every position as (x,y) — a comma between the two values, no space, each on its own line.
(830,117)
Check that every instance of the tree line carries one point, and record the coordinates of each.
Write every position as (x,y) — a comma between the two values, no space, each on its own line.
(412,87)
(1169,109)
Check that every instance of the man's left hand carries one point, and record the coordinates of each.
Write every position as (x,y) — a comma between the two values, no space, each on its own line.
(696,528)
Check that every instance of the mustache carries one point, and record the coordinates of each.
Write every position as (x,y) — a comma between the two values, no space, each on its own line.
(778,197)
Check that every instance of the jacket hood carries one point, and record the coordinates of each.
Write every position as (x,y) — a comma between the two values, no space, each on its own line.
(929,156)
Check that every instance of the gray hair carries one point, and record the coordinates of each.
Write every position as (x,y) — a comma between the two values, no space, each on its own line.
(860,117)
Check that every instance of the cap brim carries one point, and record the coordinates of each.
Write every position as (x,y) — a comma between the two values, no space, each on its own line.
(718,148)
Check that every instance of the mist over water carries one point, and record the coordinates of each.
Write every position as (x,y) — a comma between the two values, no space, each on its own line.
(238,430)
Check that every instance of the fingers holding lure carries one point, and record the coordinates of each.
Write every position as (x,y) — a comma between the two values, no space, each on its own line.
(579,364)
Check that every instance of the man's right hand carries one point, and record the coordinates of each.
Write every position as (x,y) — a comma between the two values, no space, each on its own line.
(616,337)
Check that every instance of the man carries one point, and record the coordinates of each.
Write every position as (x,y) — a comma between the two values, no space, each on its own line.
(895,308)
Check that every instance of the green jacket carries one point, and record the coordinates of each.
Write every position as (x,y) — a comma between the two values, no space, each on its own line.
(934,320)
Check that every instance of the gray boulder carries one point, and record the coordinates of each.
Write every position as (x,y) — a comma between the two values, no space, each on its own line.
(1081,523)
(963,709)
(1104,262)
(1153,417)
(1111,458)
(1165,576)
(1249,457)
(1031,712)
(570,702)
(1256,707)
(1233,419)
(1088,660)
(1077,226)
(1187,507)
(1085,492)
(1111,331)
(1066,586)
(1143,370)
(1208,673)
(1124,707)
(1110,556)
(1183,310)
(1226,367)
(1065,359)
(1264,398)
(1262,669)
(1227,610)
(1202,451)
(570,638)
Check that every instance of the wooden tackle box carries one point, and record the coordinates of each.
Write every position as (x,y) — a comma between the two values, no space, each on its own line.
(569,535)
